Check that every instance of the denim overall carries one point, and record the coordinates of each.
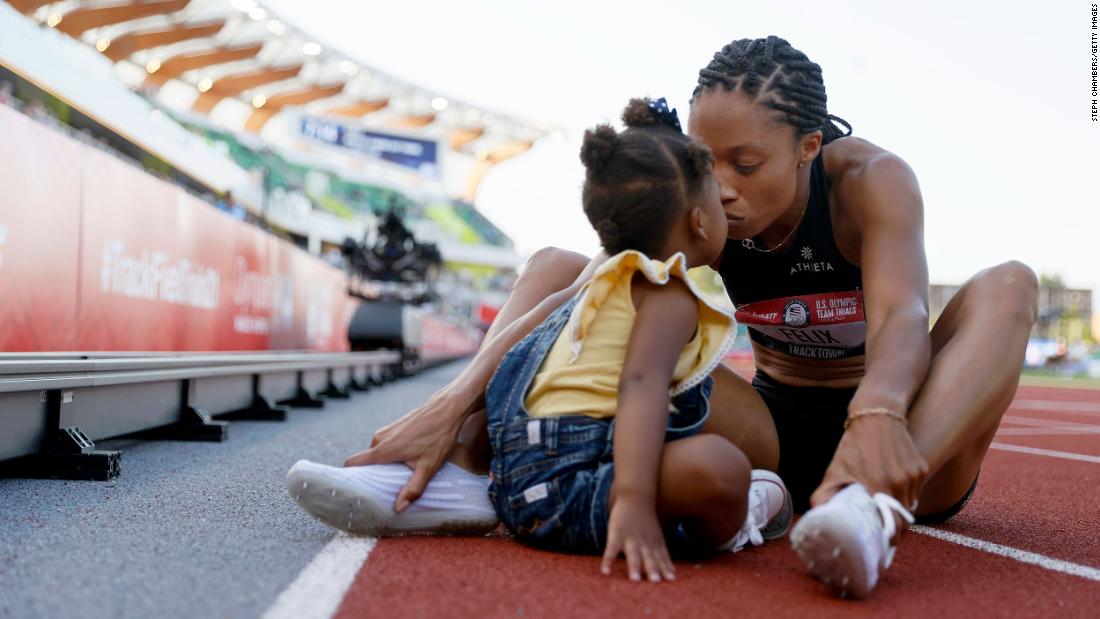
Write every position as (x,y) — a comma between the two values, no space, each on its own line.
(551,476)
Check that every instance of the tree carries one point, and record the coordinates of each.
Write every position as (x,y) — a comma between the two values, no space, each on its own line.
(1051,281)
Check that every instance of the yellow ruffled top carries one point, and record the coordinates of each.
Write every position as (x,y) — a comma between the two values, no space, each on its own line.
(580,375)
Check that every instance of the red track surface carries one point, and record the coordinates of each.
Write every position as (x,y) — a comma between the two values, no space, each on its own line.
(1037,503)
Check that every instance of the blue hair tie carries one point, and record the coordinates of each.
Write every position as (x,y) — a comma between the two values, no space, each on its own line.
(665,115)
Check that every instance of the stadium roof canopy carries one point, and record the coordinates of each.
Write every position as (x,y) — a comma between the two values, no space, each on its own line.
(241,66)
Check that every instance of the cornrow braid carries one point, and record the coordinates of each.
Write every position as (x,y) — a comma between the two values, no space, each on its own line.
(638,180)
(780,77)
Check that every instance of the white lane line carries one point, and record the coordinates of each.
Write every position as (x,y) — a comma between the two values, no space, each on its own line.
(1057,406)
(1042,432)
(320,587)
(1048,423)
(1023,556)
(1066,455)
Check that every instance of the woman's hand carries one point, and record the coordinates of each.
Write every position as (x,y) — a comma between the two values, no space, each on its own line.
(633,529)
(423,439)
(877,452)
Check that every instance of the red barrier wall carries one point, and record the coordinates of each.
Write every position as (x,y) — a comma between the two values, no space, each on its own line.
(440,340)
(97,255)
(39,235)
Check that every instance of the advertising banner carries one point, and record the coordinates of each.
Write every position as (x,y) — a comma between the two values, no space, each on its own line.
(441,340)
(97,255)
(419,155)
(39,235)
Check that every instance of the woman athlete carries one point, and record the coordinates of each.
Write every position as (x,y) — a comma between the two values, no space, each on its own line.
(868,416)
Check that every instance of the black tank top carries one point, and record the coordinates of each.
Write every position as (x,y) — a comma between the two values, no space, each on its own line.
(805,300)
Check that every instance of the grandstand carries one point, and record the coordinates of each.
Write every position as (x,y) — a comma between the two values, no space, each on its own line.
(234,69)
(190,177)
(225,96)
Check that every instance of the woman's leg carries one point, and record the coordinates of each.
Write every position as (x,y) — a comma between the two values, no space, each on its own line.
(739,414)
(978,347)
(547,271)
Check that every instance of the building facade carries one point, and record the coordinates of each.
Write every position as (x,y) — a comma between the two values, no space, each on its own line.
(1064,313)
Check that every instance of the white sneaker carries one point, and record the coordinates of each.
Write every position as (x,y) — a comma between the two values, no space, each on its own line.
(359,499)
(769,514)
(846,541)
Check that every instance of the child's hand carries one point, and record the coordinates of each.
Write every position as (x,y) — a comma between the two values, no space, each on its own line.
(633,529)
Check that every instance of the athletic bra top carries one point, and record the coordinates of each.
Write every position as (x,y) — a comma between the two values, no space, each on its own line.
(805,300)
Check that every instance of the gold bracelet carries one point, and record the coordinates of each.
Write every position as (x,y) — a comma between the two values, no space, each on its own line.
(878,410)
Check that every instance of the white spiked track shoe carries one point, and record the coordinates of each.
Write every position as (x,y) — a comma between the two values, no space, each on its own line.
(846,542)
(359,499)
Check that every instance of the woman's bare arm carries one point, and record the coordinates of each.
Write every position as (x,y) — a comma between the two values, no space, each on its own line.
(884,199)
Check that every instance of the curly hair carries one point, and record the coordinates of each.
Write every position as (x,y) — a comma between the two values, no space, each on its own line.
(778,76)
(640,179)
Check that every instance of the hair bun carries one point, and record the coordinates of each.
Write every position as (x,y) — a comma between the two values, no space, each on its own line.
(642,113)
(638,114)
(598,147)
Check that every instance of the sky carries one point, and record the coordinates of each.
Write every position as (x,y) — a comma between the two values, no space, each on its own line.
(988,102)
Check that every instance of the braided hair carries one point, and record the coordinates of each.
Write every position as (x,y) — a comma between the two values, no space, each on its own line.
(778,76)
(639,180)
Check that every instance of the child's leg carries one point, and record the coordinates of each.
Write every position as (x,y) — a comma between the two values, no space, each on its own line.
(704,484)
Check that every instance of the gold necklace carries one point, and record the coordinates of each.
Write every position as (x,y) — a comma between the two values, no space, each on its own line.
(750,244)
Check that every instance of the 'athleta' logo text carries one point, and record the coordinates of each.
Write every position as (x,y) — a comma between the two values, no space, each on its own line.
(811,267)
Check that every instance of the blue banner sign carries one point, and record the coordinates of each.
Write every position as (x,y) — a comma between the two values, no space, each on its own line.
(420,155)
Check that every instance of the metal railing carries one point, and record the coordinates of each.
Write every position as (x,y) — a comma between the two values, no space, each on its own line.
(53,406)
